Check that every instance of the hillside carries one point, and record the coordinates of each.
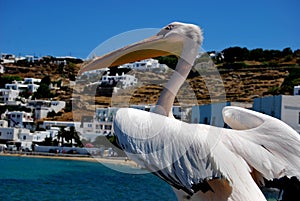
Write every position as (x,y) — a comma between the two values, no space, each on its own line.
(235,81)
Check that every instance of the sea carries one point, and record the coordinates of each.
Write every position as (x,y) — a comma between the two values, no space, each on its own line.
(30,179)
(45,179)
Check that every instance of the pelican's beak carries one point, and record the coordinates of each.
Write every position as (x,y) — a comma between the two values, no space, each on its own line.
(151,47)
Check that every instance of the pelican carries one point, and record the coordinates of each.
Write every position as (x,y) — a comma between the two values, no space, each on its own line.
(201,162)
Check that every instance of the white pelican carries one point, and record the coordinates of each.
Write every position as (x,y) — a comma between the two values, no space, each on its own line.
(200,162)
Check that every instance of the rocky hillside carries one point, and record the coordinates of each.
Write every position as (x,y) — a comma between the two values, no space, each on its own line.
(204,86)
(238,85)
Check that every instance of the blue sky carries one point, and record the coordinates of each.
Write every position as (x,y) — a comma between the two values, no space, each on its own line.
(63,27)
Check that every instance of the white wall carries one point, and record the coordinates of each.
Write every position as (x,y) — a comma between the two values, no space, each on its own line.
(290,111)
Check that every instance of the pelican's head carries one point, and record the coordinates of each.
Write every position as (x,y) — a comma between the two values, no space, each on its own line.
(176,38)
(181,31)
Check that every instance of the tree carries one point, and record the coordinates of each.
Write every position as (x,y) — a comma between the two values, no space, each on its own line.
(5,79)
(46,80)
(48,141)
(256,54)
(170,61)
(61,135)
(43,92)
(287,52)
(233,54)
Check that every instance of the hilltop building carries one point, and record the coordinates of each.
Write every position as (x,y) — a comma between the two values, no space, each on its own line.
(123,80)
(147,64)
(30,84)
(8,96)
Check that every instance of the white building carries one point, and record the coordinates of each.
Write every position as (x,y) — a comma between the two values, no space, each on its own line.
(19,119)
(31,58)
(296,90)
(8,96)
(123,80)
(19,85)
(30,84)
(39,136)
(49,124)
(11,135)
(147,64)
(43,107)
(31,80)
(8,134)
(283,107)
(2,69)
(103,121)
(7,58)
(25,137)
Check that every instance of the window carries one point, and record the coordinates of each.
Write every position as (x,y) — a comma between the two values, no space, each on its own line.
(107,127)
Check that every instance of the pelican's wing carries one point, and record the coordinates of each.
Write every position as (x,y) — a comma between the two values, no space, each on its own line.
(184,155)
(162,144)
(268,144)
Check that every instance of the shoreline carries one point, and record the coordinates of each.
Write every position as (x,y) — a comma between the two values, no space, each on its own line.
(111,160)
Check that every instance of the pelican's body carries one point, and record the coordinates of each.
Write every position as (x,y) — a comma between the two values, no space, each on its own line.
(201,162)
(190,156)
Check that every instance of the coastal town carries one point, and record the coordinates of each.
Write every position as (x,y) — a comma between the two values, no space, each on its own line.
(26,125)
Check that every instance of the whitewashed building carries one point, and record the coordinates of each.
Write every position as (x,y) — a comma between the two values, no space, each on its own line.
(8,96)
(2,69)
(48,124)
(296,90)
(8,134)
(19,85)
(147,64)
(123,80)
(43,107)
(20,119)
(39,136)
(7,58)
(30,80)
(20,136)
(283,107)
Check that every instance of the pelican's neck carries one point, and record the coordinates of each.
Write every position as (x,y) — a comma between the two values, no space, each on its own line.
(183,67)
(167,97)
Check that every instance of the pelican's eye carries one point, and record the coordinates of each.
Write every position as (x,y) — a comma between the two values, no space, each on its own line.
(169,27)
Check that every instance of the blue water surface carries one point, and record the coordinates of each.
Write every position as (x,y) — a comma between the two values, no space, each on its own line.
(24,178)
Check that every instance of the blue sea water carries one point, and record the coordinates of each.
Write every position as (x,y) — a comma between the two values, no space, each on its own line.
(30,179)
